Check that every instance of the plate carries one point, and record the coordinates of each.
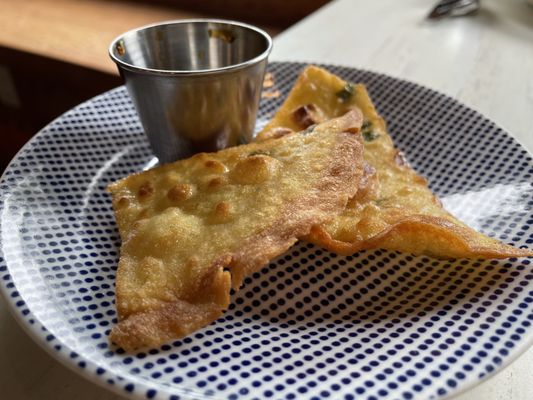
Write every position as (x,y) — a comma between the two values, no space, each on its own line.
(309,325)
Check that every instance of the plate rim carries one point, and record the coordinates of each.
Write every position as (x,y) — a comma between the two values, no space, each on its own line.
(142,386)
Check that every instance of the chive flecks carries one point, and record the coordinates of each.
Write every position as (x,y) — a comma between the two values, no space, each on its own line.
(346,92)
(259,153)
(366,125)
(369,136)
(368,132)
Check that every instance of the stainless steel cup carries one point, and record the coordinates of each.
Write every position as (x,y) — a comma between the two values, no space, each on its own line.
(196,84)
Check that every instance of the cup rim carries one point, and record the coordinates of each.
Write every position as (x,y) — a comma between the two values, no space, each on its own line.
(209,71)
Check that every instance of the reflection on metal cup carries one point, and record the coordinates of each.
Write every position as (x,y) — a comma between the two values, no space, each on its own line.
(196,84)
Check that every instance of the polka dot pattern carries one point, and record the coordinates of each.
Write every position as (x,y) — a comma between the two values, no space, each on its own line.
(311,324)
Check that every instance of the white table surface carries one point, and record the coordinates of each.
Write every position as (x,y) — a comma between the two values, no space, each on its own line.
(485,61)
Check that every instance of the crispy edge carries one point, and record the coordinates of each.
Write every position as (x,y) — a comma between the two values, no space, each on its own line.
(177,319)
(170,321)
(436,227)
(438,230)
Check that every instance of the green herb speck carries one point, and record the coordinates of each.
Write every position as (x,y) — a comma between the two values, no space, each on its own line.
(259,153)
(368,132)
(346,92)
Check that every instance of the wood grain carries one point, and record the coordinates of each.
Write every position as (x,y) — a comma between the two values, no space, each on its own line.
(78,32)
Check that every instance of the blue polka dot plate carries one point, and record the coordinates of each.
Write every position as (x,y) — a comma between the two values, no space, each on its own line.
(311,325)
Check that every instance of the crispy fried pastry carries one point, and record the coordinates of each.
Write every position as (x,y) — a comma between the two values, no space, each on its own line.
(394,208)
(194,229)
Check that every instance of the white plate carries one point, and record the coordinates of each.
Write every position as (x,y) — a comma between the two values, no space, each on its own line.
(312,324)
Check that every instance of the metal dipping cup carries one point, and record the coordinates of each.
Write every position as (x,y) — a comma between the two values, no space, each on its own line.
(196,84)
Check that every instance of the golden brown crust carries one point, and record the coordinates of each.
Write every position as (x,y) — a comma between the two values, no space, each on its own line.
(179,261)
(438,233)
(394,208)
(169,321)
(252,254)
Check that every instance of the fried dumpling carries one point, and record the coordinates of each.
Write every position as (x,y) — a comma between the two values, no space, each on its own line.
(194,229)
(394,208)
